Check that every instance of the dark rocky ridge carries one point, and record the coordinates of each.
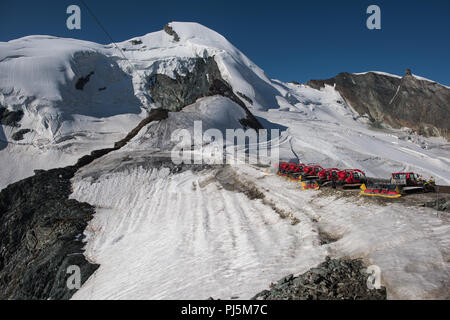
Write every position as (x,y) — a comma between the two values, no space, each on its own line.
(17,136)
(10,118)
(169,30)
(341,279)
(39,226)
(399,102)
(203,81)
(136,42)
(243,96)
(82,81)
(41,229)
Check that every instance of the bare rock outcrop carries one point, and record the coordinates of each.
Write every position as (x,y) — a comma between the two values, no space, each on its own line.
(412,102)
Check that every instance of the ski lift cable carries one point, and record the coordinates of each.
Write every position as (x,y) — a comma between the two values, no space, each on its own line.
(111,39)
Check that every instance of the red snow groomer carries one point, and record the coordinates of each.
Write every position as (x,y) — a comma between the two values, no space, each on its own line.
(325,177)
(283,168)
(351,178)
(309,177)
(401,183)
(296,172)
(410,182)
(310,172)
(291,170)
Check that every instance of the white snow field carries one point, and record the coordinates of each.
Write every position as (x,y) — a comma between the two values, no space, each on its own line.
(323,129)
(161,235)
(38,75)
(185,237)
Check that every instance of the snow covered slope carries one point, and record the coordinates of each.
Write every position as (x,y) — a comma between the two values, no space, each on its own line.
(42,76)
(159,52)
(323,129)
(78,96)
(185,236)
(226,231)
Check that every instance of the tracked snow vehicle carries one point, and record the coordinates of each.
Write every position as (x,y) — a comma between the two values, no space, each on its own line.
(291,170)
(410,182)
(296,172)
(351,179)
(310,172)
(345,179)
(401,183)
(283,168)
(325,177)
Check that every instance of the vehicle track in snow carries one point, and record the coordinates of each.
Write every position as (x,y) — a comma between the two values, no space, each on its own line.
(158,235)
(217,231)
(408,242)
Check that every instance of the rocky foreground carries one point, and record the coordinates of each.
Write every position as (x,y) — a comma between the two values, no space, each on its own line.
(40,236)
(337,279)
(41,230)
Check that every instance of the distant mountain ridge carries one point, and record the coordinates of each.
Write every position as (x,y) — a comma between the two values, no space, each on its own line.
(408,101)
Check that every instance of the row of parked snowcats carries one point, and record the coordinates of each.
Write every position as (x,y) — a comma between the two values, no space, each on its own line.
(314,177)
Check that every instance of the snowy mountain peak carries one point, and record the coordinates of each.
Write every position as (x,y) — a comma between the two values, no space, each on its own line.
(73,96)
(171,51)
(182,34)
(69,97)
(162,229)
(195,31)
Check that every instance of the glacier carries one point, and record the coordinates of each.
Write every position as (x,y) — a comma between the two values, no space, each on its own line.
(159,234)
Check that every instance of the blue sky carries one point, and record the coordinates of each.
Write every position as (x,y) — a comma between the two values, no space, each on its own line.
(291,40)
